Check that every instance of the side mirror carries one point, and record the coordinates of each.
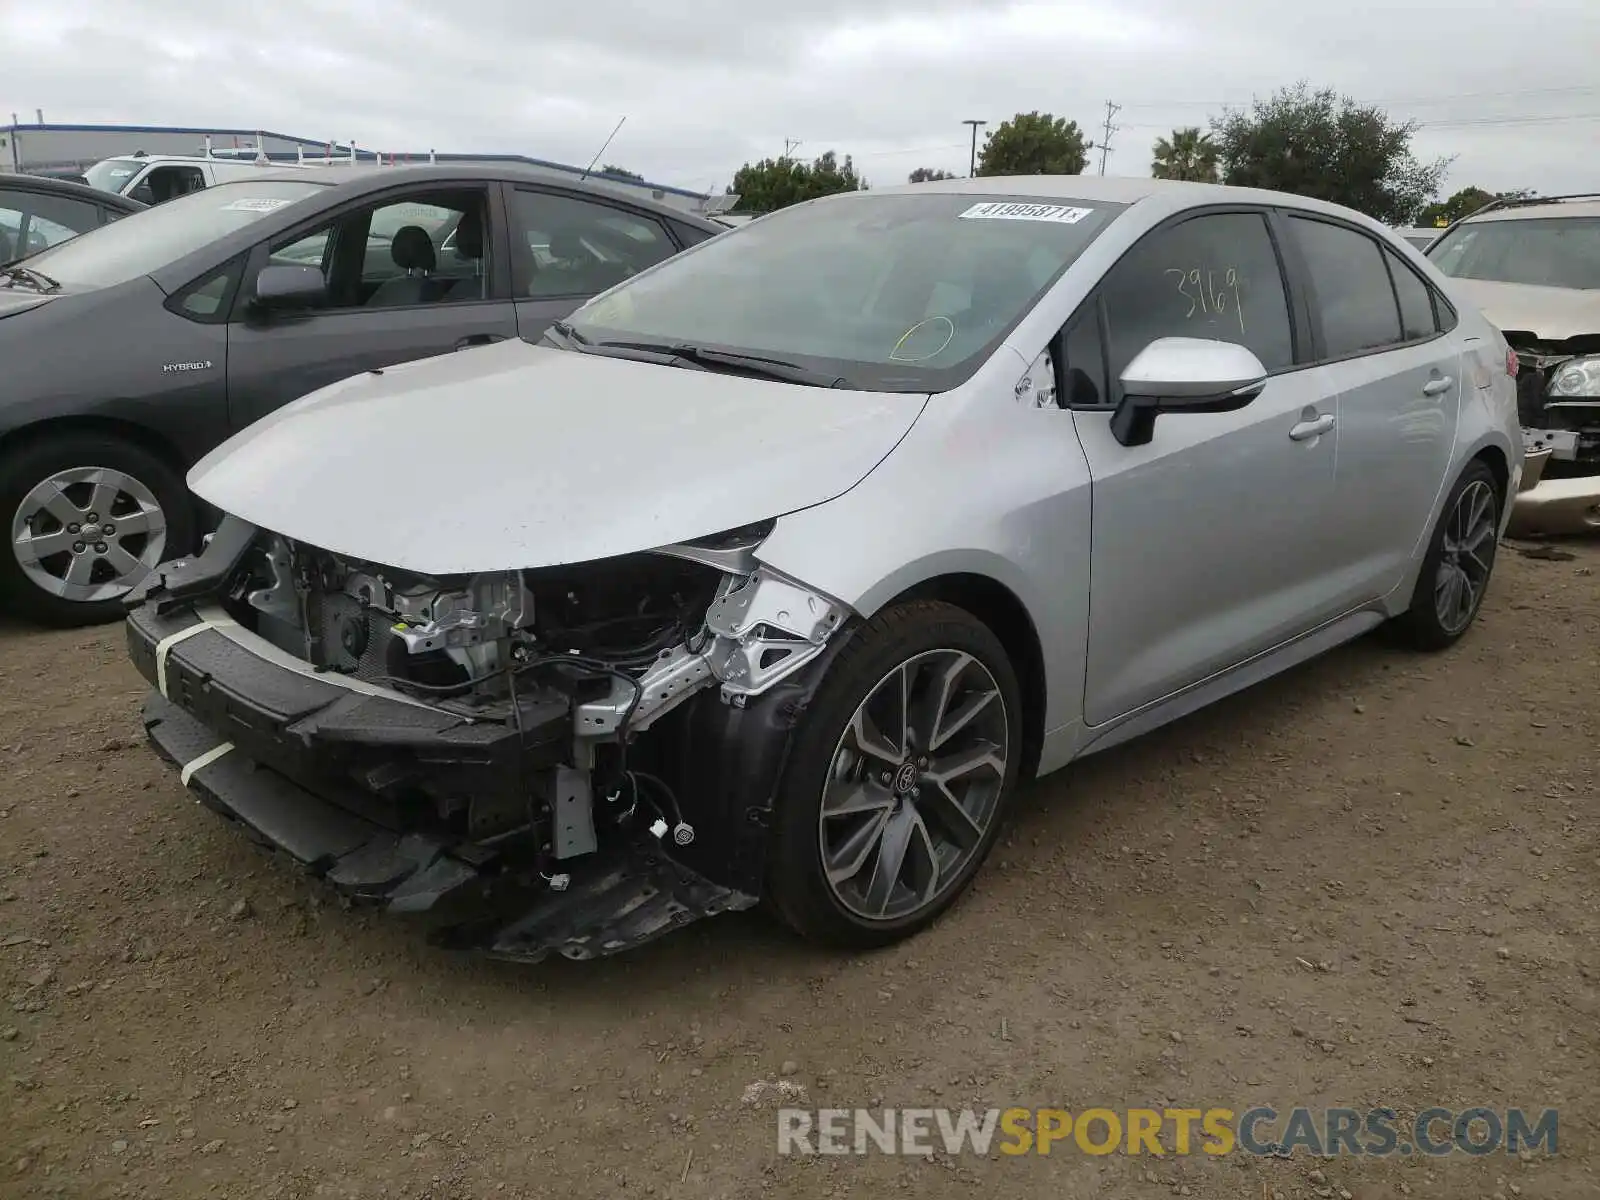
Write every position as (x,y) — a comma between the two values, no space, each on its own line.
(142,192)
(1179,374)
(282,287)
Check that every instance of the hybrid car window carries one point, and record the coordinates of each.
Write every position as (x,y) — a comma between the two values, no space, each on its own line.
(1352,287)
(400,253)
(578,247)
(1212,276)
(31,222)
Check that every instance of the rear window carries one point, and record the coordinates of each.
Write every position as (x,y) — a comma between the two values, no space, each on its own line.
(1562,252)
(149,240)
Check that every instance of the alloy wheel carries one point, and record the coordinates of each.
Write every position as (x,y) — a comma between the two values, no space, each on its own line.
(88,534)
(914,785)
(1466,556)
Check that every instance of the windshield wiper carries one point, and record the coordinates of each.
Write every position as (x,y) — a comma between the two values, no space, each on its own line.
(752,364)
(567,333)
(37,279)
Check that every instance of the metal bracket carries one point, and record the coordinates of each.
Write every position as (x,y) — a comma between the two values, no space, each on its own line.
(574,815)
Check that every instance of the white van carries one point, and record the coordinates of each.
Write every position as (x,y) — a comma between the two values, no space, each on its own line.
(155,178)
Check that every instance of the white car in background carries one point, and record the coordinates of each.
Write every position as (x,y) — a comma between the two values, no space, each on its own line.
(1533,267)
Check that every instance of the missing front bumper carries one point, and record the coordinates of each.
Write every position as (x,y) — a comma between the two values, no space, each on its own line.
(616,901)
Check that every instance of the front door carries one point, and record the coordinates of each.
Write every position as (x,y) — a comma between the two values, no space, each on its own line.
(1382,331)
(1205,544)
(396,292)
(568,248)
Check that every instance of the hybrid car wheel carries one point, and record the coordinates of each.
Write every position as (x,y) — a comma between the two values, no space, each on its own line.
(1460,560)
(899,779)
(87,517)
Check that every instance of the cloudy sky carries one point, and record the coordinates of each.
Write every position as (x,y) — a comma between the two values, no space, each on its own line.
(1511,91)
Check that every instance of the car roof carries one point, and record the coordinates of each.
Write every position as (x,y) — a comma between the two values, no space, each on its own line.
(46,185)
(1541,209)
(354,179)
(1167,194)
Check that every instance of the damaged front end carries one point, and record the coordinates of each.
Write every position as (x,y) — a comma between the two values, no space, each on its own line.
(571,759)
(1558,405)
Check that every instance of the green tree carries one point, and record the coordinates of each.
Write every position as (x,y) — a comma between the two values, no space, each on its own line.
(1187,154)
(620,172)
(1326,146)
(775,183)
(1034,143)
(1464,203)
(929,174)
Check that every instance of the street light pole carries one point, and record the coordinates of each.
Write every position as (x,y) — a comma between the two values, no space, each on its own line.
(972,162)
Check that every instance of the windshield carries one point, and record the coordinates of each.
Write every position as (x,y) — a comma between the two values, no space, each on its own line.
(896,292)
(149,240)
(1562,252)
(113,174)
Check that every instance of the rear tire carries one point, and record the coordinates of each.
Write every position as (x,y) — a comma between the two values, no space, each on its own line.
(64,561)
(877,788)
(1458,565)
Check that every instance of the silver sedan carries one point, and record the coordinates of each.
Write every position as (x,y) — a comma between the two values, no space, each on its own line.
(792,557)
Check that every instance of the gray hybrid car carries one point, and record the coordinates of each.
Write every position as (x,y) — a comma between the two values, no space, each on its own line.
(774,570)
(133,349)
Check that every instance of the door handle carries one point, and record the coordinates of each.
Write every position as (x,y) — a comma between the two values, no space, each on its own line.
(1306,430)
(1434,386)
(478,339)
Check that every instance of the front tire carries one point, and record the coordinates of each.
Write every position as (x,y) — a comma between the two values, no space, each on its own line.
(86,516)
(1458,565)
(899,778)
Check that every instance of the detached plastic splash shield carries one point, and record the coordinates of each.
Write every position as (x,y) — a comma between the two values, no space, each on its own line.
(620,900)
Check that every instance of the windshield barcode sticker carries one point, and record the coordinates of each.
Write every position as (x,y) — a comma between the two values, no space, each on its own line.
(1005,210)
(254,204)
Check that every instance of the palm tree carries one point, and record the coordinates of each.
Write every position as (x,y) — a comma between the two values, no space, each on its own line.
(1189,154)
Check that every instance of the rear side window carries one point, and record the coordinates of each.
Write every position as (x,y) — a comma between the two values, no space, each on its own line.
(1351,285)
(1416,299)
(1212,276)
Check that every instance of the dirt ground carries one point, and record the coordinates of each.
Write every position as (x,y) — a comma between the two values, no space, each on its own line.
(1371,882)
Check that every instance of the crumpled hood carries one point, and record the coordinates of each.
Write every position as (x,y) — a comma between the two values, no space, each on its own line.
(1550,314)
(515,455)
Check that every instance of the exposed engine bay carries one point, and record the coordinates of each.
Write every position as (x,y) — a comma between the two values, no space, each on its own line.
(605,650)
(405,736)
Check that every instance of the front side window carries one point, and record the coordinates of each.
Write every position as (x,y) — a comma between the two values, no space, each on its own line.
(578,247)
(898,292)
(124,250)
(1351,285)
(1212,276)
(1561,252)
(427,249)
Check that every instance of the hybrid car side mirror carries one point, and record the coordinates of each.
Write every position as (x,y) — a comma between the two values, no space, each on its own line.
(283,287)
(1179,374)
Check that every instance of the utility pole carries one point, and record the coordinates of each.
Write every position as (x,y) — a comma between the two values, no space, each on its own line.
(972,161)
(790,145)
(1105,138)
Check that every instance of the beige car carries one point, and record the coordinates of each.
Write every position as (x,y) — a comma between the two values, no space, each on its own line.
(1533,267)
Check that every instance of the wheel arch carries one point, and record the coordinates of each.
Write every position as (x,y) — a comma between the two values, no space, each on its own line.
(139,435)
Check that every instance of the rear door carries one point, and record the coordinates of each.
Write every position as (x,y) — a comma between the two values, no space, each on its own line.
(568,248)
(1382,334)
(378,312)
